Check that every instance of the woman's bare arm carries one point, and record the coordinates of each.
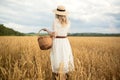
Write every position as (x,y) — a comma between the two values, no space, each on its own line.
(52,34)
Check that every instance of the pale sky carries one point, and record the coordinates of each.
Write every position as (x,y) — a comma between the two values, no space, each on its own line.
(101,16)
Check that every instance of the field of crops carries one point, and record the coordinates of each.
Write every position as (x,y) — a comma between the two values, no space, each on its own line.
(95,58)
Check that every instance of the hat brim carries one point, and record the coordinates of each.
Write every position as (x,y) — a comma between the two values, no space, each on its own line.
(60,13)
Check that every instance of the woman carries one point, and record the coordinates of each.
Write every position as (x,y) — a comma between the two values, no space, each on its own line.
(61,52)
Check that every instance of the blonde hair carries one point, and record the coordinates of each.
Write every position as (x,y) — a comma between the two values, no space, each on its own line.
(62,19)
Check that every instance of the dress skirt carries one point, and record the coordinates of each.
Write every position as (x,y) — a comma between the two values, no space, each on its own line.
(61,54)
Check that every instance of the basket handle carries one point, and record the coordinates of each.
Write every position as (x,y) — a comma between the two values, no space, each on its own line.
(40,31)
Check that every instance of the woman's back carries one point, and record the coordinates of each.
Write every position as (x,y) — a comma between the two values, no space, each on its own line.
(59,29)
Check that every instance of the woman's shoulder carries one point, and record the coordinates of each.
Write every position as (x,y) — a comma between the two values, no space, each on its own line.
(68,23)
(56,20)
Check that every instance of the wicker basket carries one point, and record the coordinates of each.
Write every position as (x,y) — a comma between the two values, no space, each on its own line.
(45,42)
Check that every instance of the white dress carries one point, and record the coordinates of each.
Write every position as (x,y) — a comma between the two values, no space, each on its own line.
(61,52)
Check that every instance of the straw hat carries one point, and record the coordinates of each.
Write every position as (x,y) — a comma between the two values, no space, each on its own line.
(60,10)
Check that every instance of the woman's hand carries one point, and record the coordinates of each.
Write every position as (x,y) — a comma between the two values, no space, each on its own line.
(52,34)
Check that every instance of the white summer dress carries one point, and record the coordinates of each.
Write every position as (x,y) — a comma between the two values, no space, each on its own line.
(61,52)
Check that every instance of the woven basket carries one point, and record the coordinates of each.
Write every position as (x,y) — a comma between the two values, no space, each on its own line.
(45,42)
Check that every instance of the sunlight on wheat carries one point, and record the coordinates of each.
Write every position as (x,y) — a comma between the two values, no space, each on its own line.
(95,58)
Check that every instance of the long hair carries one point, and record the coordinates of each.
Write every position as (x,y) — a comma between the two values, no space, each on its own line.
(62,19)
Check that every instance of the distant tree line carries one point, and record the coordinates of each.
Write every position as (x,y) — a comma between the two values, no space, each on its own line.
(80,34)
(94,34)
(4,31)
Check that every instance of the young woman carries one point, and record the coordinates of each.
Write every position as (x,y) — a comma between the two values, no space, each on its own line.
(61,52)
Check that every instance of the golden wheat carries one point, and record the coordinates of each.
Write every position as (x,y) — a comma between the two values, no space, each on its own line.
(95,58)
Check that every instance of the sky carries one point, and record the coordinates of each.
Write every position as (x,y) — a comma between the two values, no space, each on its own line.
(95,16)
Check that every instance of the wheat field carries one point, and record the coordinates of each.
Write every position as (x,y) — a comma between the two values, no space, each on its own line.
(95,58)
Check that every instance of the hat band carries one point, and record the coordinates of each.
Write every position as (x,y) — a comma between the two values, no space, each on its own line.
(60,10)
